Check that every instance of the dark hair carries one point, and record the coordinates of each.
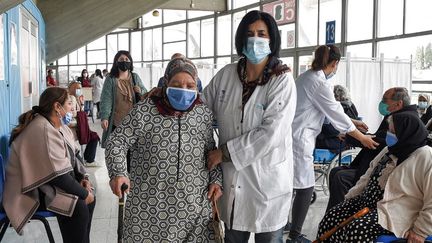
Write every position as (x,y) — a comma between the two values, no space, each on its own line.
(250,18)
(98,73)
(46,105)
(114,69)
(82,73)
(324,55)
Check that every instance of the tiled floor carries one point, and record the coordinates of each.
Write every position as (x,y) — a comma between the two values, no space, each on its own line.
(104,225)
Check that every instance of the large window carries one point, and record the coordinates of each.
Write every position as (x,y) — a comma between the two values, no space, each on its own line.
(359,26)
(402,29)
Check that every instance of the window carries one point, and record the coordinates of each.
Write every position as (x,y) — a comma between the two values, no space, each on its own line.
(362,50)
(97,44)
(94,57)
(287,33)
(136,48)
(176,47)
(123,42)
(307,23)
(194,41)
(418,15)
(157,44)
(73,58)
(174,33)
(196,14)
(148,45)
(224,35)
(173,15)
(390,17)
(359,26)
(330,11)
(112,47)
(207,43)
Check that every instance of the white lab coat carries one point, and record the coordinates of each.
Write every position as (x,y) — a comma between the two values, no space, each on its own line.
(315,102)
(260,175)
(97,84)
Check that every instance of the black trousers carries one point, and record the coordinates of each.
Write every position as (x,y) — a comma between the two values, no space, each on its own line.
(300,207)
(342,178)
(77,228)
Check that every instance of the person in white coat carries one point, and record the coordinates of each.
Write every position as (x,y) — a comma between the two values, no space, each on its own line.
(315,102)
(97,83)
(254,103)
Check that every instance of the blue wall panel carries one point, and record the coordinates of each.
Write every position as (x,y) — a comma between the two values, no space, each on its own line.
(10,88)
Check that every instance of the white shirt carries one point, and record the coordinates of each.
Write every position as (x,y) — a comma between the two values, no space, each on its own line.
(259,177)
(97,84)
(315,102)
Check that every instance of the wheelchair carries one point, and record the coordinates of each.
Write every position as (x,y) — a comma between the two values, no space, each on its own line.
(394,239)
(324,162)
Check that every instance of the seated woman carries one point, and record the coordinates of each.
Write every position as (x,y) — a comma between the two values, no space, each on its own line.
(330,138)
(424,108)
(43,170)
(399,206)
(169,136)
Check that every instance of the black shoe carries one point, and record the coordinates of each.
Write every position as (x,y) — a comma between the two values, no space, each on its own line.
(299,239)
(287,227)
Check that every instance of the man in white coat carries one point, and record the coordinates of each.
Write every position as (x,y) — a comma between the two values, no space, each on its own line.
(254,104)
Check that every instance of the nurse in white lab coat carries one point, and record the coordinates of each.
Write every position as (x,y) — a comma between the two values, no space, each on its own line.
(315,101)
(254,104)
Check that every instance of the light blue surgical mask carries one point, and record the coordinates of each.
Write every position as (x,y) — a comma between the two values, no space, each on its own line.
(181,99)
(78,92)
(257,49)
(422,105)
(67,118)
(391,139)
(382,108)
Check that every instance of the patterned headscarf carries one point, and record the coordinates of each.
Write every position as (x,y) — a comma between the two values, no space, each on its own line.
(178,65)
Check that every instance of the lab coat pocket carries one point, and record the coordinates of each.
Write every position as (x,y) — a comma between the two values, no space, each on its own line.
(274,181)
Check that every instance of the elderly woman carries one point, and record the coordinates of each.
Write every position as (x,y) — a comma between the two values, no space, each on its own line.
(424,109)
(402,207)
(169,135)
(330,138)
(44,170)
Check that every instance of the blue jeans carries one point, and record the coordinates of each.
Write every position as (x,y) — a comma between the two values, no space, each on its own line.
(235,236)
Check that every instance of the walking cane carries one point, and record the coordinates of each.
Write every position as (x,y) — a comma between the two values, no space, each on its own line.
(345,222)
(120,214)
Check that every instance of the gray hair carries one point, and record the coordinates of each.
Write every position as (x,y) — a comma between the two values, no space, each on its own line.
(401,93)
(341,93)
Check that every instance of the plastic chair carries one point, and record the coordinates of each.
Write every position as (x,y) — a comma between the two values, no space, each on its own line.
(394,239)
(325,161)
(39,215)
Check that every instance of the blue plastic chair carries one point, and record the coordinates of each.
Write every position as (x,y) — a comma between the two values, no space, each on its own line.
(325,161)
(394,239)
(39,215)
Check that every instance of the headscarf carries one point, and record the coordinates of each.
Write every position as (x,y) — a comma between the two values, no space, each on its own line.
(174,67)
(426,97)
(410,132)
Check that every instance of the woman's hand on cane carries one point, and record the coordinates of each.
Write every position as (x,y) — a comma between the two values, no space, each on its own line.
(116,184)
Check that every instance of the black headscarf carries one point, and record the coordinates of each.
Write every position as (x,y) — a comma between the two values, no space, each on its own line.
(410,132)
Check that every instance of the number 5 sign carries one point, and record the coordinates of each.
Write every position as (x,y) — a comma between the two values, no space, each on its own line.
(330,32)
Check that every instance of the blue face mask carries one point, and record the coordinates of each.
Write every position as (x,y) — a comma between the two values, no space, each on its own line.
(181,99)
(382,108)
(257,49)
(391,139)
(422,105)
(67,118)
